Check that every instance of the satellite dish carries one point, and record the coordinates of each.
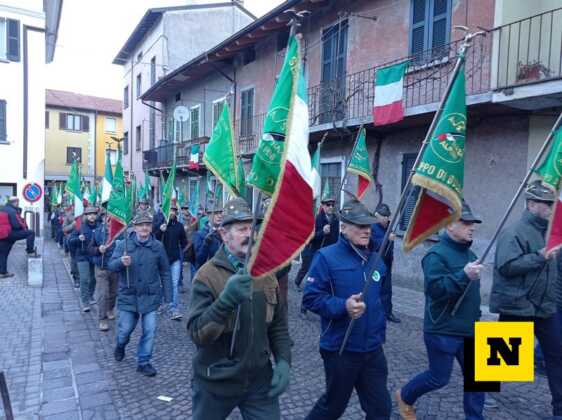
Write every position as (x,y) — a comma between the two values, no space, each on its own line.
(181,113)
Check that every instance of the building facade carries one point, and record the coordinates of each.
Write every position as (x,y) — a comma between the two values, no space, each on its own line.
(164,39)
(513,77)
(28,32)
(79,127)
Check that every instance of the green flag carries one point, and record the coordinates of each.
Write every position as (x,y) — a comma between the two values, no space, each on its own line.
(218,194)
(168,192)
(266,164)
(194,199)
(220,153)
(551,168)
(359,164)
(118,205)
(93,195)
(147,186)
(440,172)
(162,184)
(327,194)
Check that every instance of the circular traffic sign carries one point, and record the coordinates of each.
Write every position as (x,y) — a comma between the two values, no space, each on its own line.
(32,192)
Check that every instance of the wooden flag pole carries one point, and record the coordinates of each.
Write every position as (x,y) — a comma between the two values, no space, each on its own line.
(375,257)
(509,209)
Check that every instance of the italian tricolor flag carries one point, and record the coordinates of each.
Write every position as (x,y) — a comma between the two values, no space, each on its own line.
(107,183)
(289,220)
(73,188)
(389,88)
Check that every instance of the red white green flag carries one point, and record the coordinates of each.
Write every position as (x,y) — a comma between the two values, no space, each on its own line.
(359,164)
(389,90)
(551,174)
(75,192)
(283,161)
(118,206)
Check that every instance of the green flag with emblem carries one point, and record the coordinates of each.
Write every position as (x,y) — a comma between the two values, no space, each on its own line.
(551,168)
(266,164)
(359,164)
(168,192)
(440,173)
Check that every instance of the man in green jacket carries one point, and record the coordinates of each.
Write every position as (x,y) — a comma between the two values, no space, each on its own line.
(244,379)
(448,268)
(525,283)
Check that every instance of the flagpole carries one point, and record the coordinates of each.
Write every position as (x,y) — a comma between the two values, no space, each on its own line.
(406,197)
(509,209)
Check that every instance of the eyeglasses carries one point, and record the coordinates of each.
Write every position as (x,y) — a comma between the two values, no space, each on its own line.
(329,204)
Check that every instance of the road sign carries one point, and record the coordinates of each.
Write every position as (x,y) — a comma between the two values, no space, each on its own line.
(32,192)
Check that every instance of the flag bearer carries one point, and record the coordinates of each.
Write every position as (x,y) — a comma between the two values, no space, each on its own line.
(448,268)
(333,290)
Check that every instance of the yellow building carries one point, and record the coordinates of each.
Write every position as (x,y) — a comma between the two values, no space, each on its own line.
(79,127)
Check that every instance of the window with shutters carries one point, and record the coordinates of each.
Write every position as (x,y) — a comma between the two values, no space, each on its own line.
(430,28)
(246,112)
(152,128)
(72,154)
(126,97)
(330,173)
(138,138)
(74,122)
(217,109)
(408,161)
(9,39)
(126,143)
(139,85)
(152,71)
(334,60)
(194,119)
(3,132)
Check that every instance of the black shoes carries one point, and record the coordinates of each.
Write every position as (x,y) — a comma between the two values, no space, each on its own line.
(146,370)
(119,353)
(6,275)
(393,318)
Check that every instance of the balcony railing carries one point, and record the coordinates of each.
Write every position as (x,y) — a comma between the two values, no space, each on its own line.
(248,132)
(427,76)
(162,157)
(529,50)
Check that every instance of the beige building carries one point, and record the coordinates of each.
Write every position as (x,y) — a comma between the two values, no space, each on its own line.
(74,125)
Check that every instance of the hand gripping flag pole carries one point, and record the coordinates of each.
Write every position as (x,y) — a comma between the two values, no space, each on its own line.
(407,192)
(509,209)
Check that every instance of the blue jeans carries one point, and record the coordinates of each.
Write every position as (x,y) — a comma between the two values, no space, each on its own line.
(127,323)
(366,373)
(175,268)
(87,281)
(442,350)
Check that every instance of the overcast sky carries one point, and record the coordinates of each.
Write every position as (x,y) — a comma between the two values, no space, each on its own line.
(92,32)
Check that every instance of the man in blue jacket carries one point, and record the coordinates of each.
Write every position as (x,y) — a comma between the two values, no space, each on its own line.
(382,214)
(207,241)
(79,242)
(106,281)
(448,268)
(334,291)
(144,277)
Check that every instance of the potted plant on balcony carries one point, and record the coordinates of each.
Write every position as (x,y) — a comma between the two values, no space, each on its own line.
(531,71)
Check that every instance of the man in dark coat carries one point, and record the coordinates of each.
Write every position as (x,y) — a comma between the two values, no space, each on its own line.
(79,241)
(525,283)
(333,290)
(172,236)
(207,240)
(382,215)
(19,231)
(246,379)
(144,277)
(449,268)
(326,232)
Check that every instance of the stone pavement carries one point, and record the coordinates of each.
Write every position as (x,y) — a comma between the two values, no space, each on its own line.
(61,367)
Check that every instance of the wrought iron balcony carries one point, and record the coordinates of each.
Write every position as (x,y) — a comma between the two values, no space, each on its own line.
(162,157)
(248,132)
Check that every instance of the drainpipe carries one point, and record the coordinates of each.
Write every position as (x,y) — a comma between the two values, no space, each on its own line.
(131,129)
(95,145)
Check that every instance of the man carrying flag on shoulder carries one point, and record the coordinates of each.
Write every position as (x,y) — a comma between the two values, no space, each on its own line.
(525,282)
(333,290)
(246,380)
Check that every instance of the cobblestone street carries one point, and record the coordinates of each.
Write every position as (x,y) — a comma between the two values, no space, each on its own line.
(60,366)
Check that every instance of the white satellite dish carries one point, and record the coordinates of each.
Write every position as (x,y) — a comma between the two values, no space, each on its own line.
(181,113)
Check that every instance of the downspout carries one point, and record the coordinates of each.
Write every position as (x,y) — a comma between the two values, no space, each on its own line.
(95,146)
(130,139)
